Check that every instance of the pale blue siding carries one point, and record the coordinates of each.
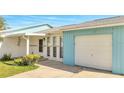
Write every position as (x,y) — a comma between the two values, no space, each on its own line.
(118,50)
(68,49)
(117,45)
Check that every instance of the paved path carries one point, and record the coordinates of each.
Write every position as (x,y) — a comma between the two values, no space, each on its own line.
(53,69)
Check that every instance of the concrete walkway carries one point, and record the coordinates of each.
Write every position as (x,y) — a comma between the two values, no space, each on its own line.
(53,69)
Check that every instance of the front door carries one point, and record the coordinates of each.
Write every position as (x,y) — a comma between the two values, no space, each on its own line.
(41,45)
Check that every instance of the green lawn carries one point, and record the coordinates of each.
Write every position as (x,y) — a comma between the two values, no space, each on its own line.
(9,69)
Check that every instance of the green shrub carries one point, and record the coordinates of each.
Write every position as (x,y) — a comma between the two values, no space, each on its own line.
(30,59)
(36,57)
(18,61)
(27,60)
(6,57)
(21,62)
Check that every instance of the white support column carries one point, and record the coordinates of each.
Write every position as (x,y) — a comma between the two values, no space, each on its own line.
(27,45)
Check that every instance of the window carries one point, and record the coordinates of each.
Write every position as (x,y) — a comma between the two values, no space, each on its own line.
(48,41)
(48,51)
(48,46)
(61,47)
(54,41)
(54,46)
(61,41)
(41,45)
(61,52)
(54,51)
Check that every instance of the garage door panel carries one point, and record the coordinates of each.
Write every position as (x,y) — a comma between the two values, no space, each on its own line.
(94,51)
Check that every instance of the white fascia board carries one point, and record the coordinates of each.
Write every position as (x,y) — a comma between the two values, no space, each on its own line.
(13,35)
(35,34)
(22,34)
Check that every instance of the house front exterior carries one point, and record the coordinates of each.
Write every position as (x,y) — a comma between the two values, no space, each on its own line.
(27,40)
(97,44)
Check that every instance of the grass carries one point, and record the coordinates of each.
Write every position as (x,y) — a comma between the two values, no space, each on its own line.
(7,68)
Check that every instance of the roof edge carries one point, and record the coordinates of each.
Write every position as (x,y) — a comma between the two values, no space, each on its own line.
(112,25)
(26,27)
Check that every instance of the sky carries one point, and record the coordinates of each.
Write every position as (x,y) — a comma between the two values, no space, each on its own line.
(15,21)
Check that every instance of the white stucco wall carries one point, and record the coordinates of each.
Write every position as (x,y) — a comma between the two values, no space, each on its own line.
(10,45)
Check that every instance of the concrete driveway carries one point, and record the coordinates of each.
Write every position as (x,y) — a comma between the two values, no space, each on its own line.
(53,69)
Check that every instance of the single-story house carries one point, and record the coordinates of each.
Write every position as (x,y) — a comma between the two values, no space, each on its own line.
(27,40)
(97,44)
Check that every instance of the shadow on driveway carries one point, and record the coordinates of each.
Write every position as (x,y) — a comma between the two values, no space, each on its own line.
(61,66)
(73,69)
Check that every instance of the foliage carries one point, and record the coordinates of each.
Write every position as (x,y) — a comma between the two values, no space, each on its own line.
(18,61)
(35,57)
(6,57)
(30,59)
(2,23)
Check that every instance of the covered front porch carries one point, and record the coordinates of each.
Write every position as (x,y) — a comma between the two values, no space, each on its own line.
(21,44)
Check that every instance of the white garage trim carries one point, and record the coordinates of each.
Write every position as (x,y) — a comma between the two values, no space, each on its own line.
(94,51)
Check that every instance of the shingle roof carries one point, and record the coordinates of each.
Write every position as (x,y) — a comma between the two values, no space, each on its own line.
(98,22)
(113,21)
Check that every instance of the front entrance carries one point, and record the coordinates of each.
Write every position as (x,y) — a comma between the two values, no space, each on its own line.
(41,45)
